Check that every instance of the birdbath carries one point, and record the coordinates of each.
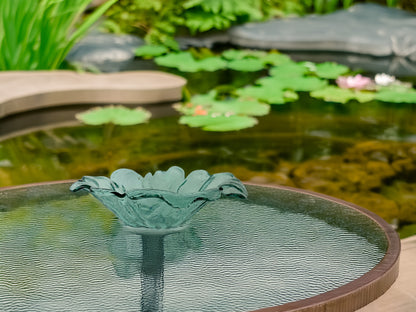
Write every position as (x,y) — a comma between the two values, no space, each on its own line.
(279,249)
(157,205)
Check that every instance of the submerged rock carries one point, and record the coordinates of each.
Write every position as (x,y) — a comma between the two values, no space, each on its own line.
(364,28)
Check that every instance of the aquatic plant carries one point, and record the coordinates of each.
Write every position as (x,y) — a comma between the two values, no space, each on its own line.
(164,200)
(117,115)
(38,34)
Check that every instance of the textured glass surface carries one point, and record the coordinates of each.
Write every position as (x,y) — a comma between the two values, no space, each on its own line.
(65,252)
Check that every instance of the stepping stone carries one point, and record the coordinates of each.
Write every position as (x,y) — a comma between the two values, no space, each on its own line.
(364,28)
(29,90)
(104,52)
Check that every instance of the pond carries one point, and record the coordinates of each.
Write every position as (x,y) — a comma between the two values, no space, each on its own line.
(362,153)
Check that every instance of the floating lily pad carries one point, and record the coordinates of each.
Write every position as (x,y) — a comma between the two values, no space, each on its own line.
(269,94)
(275,59)
(396,96)
(117,115)
(294,83)
(184,61)
(289,70)
(335,94)
(330,70)
(220,123)
(233,54)
(150,51)
(246,65)
(240,107)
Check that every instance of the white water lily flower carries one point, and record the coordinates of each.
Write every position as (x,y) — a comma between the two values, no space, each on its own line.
(384,79)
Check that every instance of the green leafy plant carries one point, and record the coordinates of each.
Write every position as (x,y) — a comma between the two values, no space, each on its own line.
(117,115)
(38,34)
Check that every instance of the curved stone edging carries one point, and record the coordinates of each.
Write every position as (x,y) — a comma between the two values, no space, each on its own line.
(28,90)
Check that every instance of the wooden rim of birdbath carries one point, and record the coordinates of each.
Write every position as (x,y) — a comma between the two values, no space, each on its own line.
(346,298)
(22,91)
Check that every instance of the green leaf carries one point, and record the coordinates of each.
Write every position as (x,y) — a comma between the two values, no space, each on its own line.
(117,115)
(395,96)
(335,94)
(149,51)
(275,59)
(246,64)
(184,61)
(233,54)
(294,83)
(240,107)
(330,70)
(220,123)
(268,94)
(289,70)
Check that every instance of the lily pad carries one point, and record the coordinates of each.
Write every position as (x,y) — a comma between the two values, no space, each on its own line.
(294,83)
(150,51)
(395,96)
(269,94)
(233,54)
(246,65)
(330,70)
(335,94)
(289,70)
(184,61)
(275,59)
(240,107)
(220,123)
(117,115)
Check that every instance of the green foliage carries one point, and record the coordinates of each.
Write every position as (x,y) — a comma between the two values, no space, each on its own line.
(246,64)
(403,95)
(38,34)
(117,115)
(220,123)
(335,94)
(185,62)
(150,51)
(330,70)
(301,83)
(269,94)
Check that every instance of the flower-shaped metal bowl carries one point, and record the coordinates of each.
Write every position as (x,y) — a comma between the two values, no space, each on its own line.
(165,200)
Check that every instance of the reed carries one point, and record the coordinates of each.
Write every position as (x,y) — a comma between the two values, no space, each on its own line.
(38,34)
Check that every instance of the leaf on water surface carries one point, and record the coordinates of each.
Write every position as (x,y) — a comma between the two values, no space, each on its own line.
(294,83)
(184,61)
(240,107)
(269,93)
(233,54)
(246,64)
(150,51)
(275,58)
(335,94)
(396,96)
(330,70)
(220,123)
(117,115)
(291,69)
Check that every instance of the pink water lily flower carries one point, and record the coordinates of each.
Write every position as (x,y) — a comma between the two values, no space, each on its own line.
(357,82)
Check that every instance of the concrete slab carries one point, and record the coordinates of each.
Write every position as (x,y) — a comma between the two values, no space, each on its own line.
(28,90)
(401,297)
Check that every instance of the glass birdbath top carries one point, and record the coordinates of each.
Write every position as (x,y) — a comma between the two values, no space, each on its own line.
(280,247)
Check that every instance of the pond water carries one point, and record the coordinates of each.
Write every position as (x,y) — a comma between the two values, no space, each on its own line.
(363,153)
